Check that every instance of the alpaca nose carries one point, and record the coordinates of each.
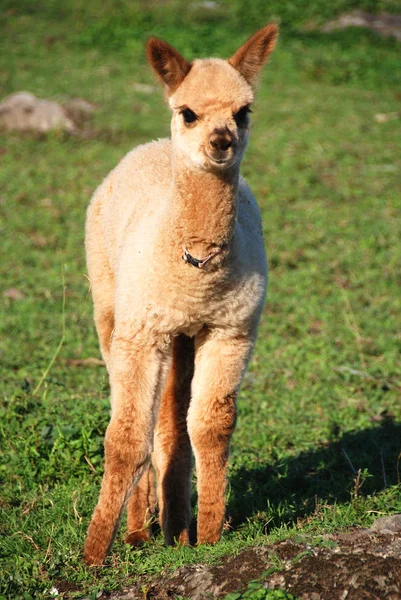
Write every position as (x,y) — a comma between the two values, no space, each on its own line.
(220,140)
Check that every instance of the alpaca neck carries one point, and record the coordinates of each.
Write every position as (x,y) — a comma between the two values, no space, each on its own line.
(204,206)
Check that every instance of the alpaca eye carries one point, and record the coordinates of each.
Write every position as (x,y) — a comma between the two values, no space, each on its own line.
(189,116)
(240,116)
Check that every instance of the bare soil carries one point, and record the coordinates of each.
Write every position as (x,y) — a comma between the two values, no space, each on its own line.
(356,565)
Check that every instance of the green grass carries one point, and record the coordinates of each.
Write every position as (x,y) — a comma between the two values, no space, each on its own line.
(322,396)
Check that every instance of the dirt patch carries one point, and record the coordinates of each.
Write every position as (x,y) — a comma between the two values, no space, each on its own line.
(357,565)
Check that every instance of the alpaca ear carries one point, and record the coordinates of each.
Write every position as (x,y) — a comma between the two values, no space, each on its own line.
(252,55)
(168,64)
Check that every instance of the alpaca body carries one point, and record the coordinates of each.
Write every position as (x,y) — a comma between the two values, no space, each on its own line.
(158,293)
(176,335)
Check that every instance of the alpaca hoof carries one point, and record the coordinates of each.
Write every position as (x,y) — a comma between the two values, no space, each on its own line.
(137,538)
(94,551)
(208,539)
(93,559)
(176,539)
(183,538)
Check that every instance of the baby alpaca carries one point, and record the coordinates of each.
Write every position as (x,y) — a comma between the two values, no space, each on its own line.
(178,271)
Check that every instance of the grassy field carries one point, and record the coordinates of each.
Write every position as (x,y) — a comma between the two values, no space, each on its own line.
(318,440)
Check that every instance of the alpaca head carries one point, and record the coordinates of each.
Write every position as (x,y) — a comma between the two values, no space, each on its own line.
(211,99)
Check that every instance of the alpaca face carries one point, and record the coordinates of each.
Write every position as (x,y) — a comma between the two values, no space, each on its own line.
(210,124)
(211,99)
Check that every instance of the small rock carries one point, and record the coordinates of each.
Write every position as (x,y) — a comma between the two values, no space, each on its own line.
(198,583)
(387,525)
(381,580)
(384,117)
(276,580)
(79,110)
(24,112)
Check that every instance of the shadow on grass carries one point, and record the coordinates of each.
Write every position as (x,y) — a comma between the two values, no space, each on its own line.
(291,489)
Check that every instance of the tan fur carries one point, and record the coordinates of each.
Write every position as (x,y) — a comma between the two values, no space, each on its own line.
(254,53)
(177,339)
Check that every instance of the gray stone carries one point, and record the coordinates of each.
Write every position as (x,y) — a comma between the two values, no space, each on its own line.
(79,110)
(387,525)
(25,112)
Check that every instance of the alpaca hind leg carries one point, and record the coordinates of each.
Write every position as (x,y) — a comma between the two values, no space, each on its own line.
(172,452)
(135,376)
(219,366)
(141,507)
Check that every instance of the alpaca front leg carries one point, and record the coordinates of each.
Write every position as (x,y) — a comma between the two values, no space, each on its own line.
(136,374)
(219,366)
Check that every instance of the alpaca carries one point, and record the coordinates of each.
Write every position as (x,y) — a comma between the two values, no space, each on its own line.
(178,272)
